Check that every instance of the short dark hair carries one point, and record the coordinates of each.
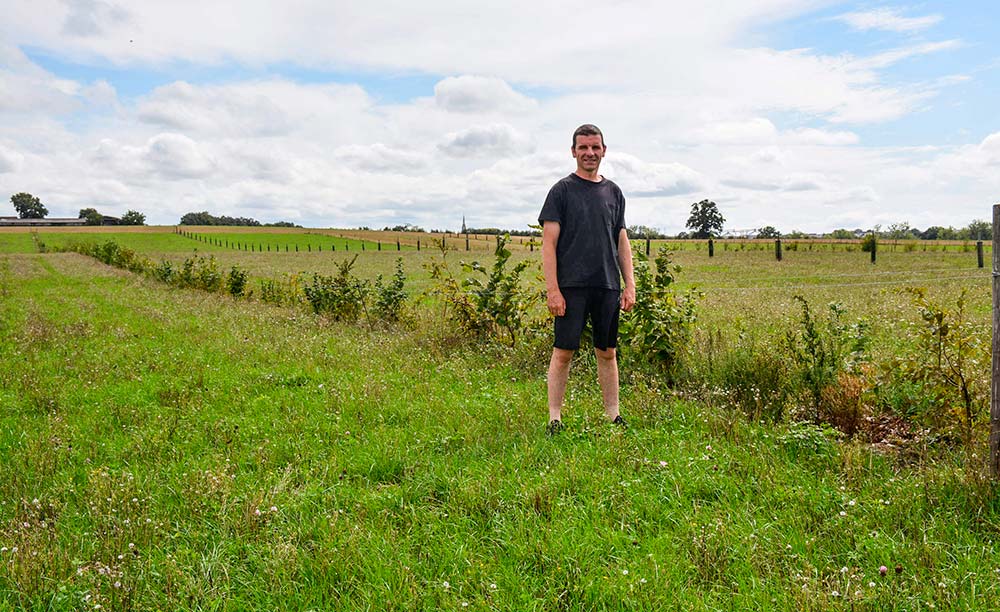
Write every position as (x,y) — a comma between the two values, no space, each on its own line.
(588,129)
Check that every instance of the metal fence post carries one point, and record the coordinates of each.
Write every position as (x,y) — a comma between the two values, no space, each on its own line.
(995,382)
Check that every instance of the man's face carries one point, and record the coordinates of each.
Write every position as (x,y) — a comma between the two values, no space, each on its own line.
(588,152)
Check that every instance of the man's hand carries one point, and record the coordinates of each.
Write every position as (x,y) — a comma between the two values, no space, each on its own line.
(628,298)
(556,303)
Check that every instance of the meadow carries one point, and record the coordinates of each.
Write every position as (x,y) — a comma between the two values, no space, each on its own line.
(169,448)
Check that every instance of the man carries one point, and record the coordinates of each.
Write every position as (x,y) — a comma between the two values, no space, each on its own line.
(585,255)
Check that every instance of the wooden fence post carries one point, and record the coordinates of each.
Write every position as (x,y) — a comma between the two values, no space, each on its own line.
(711,248)
(418,244)
(979,252)
(398,247)
(874,246)
(647,247)
(380,245)
(466,242)
(777,249)
(995,383)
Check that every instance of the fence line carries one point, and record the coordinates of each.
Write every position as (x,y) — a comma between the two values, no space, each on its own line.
(853,275)
(825,285)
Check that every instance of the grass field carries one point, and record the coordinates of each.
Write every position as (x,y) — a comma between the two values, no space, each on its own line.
(174,449)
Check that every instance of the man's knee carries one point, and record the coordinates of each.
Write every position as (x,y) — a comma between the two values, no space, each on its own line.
(607,354)
(562,356)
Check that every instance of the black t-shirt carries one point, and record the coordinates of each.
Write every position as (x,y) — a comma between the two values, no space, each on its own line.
(590,217)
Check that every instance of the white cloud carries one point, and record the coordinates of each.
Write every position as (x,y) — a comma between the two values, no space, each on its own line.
(894,56)
(254,108)
(486,140)
(794,182)
(10,160)
(813,136)
(476,94)
(887,19)
(177,156)
(92,17)
(639,178)
(380,158)
(752,130)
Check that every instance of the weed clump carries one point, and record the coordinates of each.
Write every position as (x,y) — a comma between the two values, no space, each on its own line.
(493,304)
(658,328)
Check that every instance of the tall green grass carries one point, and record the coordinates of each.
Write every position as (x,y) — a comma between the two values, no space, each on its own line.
(172,449)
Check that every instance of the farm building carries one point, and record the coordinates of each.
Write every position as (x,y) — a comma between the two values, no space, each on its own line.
(17,222)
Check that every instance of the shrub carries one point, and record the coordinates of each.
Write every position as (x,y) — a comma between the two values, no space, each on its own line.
(942,380)
(342,297)
(493,305)
(658,328)
(823,349)
(390,297)
(163,272)
(236,282)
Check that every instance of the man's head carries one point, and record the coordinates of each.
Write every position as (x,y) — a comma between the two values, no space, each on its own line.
(588,148)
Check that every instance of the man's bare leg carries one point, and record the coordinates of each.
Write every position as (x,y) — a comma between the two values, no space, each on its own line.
(607,376)
(557,377)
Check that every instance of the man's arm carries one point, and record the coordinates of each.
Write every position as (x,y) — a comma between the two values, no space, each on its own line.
(550,236)
(625,261)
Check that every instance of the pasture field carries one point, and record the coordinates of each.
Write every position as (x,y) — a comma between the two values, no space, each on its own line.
(174,449)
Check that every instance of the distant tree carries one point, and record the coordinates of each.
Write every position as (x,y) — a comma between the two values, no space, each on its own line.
(642,232)
(91,215)
(28,206)
(206,218)
(198,218)
(705,219)
(796,235)
(931,233)
(938,232)
(980,230)
(282,224)
(901,231)
(768,231)
(408,227)
(133,217)
(842,234)
(683,235)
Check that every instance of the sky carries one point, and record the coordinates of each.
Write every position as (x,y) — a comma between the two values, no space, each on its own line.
(804,115)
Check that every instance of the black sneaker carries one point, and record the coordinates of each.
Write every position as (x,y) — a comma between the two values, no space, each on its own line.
(619,421)
(554,427)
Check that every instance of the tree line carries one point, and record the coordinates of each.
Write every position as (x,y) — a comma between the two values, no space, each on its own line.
(705,221)
(28,206)
(206,218)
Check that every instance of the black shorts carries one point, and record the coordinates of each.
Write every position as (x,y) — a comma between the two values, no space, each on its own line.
(600,306)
